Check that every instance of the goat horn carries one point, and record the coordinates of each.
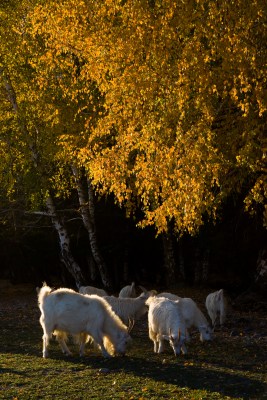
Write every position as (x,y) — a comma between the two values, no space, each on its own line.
(131,325)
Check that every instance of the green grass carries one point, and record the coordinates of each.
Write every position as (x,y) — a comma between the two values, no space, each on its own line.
(231,367)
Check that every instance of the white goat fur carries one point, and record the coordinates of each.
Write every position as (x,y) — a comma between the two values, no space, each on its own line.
(128,291)
(129,309)
(65,311)
(92,290)
(192,315)
(216,305)
(169,296)
(166,322)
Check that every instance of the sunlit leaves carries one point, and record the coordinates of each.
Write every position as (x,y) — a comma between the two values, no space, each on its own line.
(164,103)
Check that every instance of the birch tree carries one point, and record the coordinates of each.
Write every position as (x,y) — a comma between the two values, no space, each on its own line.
(183,84)
(20,114)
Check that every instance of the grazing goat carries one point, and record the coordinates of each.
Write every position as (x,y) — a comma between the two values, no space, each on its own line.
(166,322)
(65,311)
(92,290)
(216,304)
(129,310)
(128,291)
(192,315)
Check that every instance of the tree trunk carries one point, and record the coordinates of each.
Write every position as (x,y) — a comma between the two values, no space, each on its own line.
(64,241)
(205,266)
(261,272)
(92,267)
(169,259)
(87,213)
(198,267)
(181,261)
(201,271)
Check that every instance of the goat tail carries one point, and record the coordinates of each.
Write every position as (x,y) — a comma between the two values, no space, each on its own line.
(43,293)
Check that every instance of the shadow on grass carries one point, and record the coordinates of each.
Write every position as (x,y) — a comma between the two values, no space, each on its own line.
(12,371)
(173,371)
(192,377)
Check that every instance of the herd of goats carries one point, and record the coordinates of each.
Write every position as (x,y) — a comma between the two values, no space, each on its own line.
(93,316)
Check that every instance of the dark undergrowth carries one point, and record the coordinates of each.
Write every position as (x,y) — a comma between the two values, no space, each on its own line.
(232,366)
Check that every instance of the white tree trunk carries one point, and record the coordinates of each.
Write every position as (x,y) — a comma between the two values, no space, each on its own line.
(87,213)
(64,242)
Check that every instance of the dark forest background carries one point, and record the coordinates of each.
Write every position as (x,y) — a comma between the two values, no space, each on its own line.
(227,254)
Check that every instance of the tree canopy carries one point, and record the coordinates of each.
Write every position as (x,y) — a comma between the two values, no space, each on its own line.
(162,102)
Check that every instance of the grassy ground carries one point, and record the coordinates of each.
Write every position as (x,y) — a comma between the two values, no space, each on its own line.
(233,366)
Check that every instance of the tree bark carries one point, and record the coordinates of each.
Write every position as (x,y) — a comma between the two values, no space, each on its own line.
(201,271)
(92,267)
(181,261)
(88,216)
(261,272)
(198,267)
(64,241)
(205,266)
(169,259)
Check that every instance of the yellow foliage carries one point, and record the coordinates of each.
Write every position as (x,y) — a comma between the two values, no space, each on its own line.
(164,103)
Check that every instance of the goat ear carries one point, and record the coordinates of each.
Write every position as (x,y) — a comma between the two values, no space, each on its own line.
(143,289)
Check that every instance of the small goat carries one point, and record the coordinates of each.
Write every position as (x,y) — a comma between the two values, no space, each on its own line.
(92,290)
(128,291)
(216,305)
(65,311)
(166,322)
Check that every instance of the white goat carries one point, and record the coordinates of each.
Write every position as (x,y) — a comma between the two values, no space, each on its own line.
(65,311)
(169,296)
(192,315)
(216,305)
(128,291)
(129,310)
(92,290)
(166,322)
